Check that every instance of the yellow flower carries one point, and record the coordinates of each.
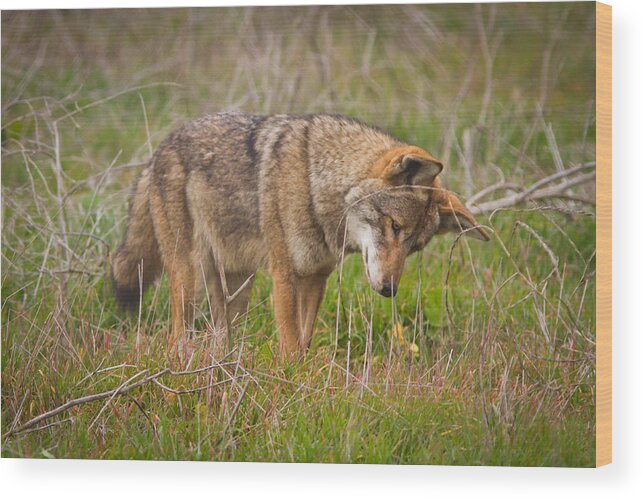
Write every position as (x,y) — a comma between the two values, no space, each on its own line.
(396,333)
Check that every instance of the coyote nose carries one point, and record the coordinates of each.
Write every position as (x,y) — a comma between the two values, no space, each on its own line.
(388,290)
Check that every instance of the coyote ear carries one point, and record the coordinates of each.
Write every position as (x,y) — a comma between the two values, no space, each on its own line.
(412,169)
(454,217)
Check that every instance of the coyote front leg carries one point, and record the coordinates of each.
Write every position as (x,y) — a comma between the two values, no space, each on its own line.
(297,301)
(285,312)
(310,292)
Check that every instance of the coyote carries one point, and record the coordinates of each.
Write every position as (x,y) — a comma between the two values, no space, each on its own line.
(236,192)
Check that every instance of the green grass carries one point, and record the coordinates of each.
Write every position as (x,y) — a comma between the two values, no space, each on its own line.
(496,364)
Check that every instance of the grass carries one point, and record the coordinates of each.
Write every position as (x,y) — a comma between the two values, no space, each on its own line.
(486,357)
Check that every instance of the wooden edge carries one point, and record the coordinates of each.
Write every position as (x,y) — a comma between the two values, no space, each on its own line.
(603,234)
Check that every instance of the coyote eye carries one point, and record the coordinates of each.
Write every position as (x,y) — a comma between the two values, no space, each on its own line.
(396,227)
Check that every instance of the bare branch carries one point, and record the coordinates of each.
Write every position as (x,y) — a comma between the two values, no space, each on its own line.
(490,189)
(565,173)
(84,400)
(122,389)
(231,298)
(191,390)
(226,302)
(537,191)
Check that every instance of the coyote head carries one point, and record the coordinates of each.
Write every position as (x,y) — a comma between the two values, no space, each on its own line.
(397,210)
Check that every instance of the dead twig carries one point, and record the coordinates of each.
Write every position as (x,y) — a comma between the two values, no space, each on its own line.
(192,390)
(116,392)
(498,186)
(50,425)
(84,400)
(122,389)
(227,300)
(537,191)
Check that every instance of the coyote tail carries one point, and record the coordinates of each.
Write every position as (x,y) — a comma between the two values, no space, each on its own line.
(139,250)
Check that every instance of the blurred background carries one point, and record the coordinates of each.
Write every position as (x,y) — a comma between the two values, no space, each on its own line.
(456,79)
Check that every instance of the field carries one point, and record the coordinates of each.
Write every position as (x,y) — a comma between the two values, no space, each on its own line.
(485,357)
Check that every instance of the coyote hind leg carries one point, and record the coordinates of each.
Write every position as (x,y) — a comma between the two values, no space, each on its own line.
(182,290)
(175,234)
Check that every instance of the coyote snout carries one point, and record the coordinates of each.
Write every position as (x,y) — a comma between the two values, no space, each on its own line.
(231,193)
(383,260)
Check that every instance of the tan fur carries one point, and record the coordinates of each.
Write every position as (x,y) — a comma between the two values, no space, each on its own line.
(291,194)
(393,156)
